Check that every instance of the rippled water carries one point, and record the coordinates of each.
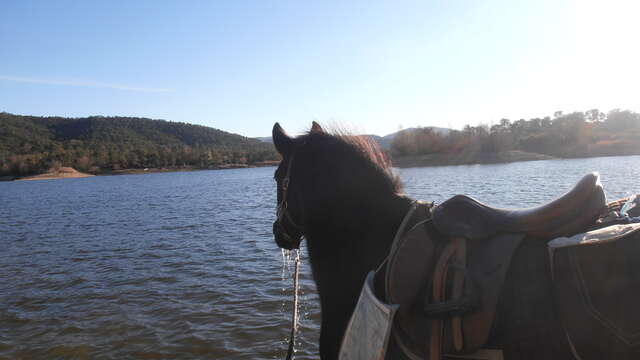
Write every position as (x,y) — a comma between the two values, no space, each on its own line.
(183,265)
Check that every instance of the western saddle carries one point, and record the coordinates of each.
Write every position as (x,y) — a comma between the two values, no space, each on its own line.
(448,263)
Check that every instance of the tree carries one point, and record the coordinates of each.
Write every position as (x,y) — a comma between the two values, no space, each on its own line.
(505,124)
(622,119)
(594,115)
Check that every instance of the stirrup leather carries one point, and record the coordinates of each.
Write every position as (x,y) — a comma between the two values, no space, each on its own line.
(454,257)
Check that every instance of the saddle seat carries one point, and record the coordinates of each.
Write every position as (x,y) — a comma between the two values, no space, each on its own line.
(463,216)
(440,253)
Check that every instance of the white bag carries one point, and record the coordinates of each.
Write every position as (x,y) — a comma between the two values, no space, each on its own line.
(367,334)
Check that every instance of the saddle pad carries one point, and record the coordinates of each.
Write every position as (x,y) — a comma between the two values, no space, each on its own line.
(596,279)
(410,267)
(367,334)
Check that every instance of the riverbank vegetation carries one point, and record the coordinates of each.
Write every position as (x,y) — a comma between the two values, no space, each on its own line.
(577,134)
(33,145)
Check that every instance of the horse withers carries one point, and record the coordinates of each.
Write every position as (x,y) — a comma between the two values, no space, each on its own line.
(482,280)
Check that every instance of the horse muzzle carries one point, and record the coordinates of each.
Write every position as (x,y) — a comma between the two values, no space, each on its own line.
(284,239)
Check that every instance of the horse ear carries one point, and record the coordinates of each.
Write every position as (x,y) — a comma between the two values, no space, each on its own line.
(281,140)
(315,127)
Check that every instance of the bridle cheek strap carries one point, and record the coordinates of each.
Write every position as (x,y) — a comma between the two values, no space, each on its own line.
(282,213)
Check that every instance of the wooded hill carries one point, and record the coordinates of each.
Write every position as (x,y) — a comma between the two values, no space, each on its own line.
(32,145)
(577,134)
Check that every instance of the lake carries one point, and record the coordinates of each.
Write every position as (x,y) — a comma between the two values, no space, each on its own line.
(183,265)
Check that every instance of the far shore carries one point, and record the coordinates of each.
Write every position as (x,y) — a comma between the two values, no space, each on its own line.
(467,159)
(61,173)
(397,161)
(71,173)
(185,168)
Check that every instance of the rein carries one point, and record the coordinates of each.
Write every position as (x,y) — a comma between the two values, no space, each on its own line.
(294,316)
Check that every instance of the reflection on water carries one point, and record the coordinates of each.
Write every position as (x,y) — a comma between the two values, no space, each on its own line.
(183,265)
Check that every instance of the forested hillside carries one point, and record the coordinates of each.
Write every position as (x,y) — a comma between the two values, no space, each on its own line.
(577,134)
(32,145)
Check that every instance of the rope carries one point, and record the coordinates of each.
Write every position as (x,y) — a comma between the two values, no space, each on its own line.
(294,317)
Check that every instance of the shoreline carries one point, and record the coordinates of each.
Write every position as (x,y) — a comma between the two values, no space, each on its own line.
(61,173)
(184,169)
(468,159)
(430,160)
(506,157)
(71,173)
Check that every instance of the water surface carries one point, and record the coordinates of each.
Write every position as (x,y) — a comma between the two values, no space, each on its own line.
(183,265)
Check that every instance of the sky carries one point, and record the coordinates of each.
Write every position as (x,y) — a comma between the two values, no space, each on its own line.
(373,66)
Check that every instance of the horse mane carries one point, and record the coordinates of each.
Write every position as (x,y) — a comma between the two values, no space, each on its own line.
(359,150)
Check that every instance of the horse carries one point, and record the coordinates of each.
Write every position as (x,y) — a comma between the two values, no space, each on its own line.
(339,192)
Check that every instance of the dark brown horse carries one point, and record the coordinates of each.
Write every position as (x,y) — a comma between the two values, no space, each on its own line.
(340,192)
(343,195)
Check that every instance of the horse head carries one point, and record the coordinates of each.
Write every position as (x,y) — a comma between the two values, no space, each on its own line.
(288,228)
(322,175)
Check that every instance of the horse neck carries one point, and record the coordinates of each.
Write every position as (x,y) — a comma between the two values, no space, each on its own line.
(354,239)
(357,228)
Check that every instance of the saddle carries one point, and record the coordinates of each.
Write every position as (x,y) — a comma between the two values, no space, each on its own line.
(448,263)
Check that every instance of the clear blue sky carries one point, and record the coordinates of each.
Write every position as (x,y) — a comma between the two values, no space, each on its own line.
(370,65)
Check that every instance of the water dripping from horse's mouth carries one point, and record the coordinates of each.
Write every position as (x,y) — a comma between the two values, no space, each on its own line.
(290,271)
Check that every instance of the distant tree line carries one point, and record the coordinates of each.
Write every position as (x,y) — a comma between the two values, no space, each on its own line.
(32,145)
(576,134)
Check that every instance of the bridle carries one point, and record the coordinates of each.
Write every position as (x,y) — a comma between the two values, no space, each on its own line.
(284,216)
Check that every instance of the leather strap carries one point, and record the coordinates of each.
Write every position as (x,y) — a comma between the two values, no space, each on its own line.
(458,287)
(437,296)
(396,240)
